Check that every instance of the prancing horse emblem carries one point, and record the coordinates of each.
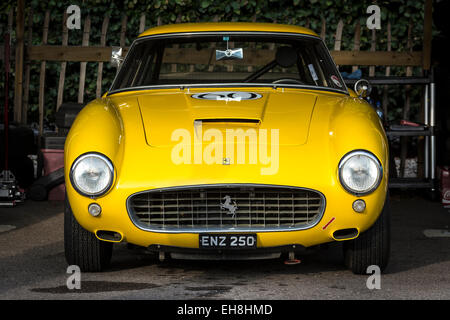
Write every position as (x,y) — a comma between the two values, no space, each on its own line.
(229,206)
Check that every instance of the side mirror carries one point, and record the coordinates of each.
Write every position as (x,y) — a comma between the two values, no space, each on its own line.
(363,88)
(116,56)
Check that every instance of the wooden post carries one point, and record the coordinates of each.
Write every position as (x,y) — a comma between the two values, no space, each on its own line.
(406,108)
(357,41)
(85,43)
(62,72)
(388,73)
(18,79)
(26,89)
(123,31)
(389,45)
(42,75)
(100,64)
(323,30)
(373,48)
(409,72)
(427,29)
(142,23)
(338,37)
(10,20)
(409,46)
(307,23)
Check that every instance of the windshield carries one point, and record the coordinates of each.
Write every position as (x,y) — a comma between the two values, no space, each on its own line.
(252,59)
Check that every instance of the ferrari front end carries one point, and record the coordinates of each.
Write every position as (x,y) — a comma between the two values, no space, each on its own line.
(267,165)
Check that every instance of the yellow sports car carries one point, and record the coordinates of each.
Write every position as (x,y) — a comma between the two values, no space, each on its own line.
(227,140)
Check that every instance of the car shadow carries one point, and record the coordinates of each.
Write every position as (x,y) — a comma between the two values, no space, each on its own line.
(30,212)
(411,214)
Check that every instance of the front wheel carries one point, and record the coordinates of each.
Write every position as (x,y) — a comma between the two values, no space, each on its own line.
(372,247)
(82,248)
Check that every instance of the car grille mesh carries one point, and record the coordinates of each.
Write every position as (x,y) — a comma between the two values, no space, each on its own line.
(226,208)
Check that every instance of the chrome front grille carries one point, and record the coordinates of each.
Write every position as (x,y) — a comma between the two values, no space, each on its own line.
(226,208)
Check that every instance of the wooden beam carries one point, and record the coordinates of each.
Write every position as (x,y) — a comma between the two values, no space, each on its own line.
(18,78)
(98,53)
(69,53)
(374,58)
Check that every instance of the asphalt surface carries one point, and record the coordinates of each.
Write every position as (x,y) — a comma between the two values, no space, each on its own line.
(32,264)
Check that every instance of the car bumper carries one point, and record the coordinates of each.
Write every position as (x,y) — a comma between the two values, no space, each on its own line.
(338,215)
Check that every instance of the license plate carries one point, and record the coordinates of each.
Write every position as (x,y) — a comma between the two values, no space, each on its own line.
(227,241)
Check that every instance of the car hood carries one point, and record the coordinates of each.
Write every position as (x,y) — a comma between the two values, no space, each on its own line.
(166,113)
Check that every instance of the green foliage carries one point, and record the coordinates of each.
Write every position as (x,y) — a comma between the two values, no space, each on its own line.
(401,13)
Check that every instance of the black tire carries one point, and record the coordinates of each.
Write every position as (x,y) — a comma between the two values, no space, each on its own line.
(372,247)
(82,248)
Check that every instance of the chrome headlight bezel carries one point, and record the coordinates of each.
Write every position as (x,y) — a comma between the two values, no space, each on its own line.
(109,167)
(369,155)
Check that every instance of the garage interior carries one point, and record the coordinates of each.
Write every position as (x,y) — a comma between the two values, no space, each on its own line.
(32,177)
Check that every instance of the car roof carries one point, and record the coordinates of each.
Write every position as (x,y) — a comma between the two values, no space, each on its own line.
(226,26)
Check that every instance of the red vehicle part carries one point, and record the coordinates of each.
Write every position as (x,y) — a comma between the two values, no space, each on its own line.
(445,184)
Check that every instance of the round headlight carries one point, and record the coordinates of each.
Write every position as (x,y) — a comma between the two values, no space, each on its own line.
(360,172)
(92,174)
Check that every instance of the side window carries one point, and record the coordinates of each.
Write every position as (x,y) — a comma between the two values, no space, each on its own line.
(304,70)
(138,69)
(311,66)
(328,69)
(144,70)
